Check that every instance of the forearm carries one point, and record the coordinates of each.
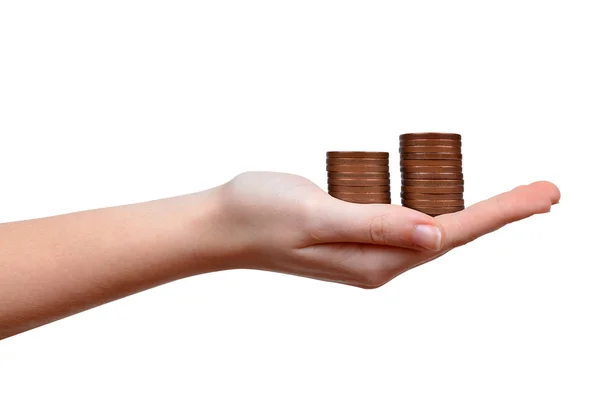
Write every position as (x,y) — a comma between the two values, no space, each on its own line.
(57,266)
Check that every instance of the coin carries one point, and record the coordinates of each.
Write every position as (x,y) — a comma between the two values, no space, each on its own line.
(373,194)
(358,182)
(425,149)
(358,175)
(432,183)
(429,142)
(432,155)
(430,162)
(433,203)
(436,212)
(378,155)
(352,199)
(431,135)
(357,168)
(385,166)
(433,190)
(350,189)
(423,196)
(367,202)
(360,161)
(433,175)
(430,168)
(430,211)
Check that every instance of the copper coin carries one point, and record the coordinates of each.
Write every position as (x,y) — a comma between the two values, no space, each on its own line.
(358,182)
(433,203)
(432,155)
(404,144)
(430,135)
(433,190)
(366,165)
(378,155)
(367,202)
(435,212)
(360,161)
(422,196)
(364,194)
(430,162)
(358,175)
(430,168)
(433,175)
(432,183)
(357,168)
(364,200)
(350,189)
(351,199)
(354,194)
(430,211)
(425,149)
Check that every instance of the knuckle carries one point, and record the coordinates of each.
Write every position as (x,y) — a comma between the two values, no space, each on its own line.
(379,230)
(461,239)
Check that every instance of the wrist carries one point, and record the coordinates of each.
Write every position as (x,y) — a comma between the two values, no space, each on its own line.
(211,234)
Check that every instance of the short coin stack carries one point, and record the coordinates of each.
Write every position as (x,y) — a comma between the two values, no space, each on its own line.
(359,177)
(431,169)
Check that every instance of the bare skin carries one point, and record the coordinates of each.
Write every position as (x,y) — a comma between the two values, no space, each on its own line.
(54,267)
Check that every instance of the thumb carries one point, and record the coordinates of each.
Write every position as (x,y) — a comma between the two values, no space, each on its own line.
(378,224)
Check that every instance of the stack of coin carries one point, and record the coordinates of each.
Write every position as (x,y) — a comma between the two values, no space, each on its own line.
(359,177)
(431,169)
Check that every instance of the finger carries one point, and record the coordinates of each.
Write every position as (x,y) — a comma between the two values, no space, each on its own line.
(489,215)
(378,224)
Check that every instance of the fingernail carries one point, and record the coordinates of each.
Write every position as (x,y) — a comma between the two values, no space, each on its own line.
(428,237)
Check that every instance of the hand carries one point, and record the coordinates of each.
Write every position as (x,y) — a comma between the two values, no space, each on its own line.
(286,223)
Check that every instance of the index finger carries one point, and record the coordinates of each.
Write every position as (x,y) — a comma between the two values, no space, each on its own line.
(489,215)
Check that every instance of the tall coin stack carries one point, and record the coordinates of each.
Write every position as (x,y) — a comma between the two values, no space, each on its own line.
(431,169)
(359,177)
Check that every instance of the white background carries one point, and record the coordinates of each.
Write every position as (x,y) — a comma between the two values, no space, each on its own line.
(114,102)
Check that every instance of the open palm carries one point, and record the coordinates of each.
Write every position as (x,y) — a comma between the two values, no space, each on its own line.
(288,224)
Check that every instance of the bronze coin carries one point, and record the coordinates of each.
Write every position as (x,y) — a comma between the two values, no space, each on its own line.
(433,203)
(432,183)
(350,189)
(358,175)
(433,190)
(359,161)
(430,162)
(433,175)
(432,155)
(430,135)
(422,196)
(378,155)
(358,182)
(357,168)
(430,168)
(426,149)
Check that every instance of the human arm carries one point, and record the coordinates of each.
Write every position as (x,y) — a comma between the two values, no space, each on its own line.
(57,266)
